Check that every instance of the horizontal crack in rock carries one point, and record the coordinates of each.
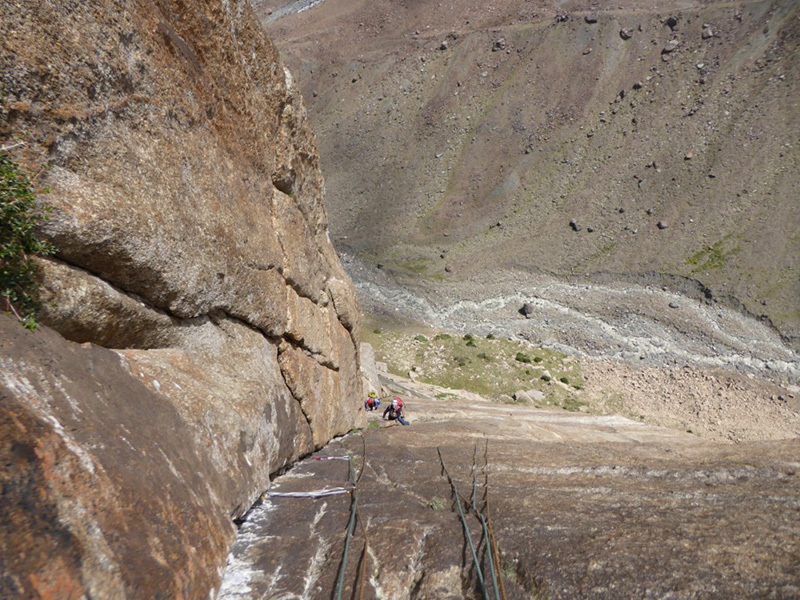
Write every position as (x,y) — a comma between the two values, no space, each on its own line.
(212,314)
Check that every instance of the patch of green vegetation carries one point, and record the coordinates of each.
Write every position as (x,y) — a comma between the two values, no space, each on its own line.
(598,255)
(523,358)
(489,367)
(446,396)
(546,378)
(712,257)
(20,216)
(437,503)
(564,380)
(421,338)
(461,361)
(509,573)
(572,404)
(377,331)
(489,336)
(416,266)
(373,425)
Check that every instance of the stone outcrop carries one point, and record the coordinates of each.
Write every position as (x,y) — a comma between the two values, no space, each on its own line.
(208,334)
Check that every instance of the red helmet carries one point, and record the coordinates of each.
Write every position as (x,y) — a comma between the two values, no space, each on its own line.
(398,403)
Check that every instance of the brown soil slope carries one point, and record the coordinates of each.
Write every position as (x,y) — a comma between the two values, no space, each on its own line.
(469,135)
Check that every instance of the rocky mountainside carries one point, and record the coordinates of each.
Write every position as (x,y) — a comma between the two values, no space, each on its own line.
(629,141)
(200,333)
(580,506)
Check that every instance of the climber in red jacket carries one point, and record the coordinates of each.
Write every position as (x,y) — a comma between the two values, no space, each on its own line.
(395,411)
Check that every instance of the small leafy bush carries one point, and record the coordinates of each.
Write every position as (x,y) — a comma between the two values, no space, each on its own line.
(572,404)
(443,337)
(377,331)
(437,503)
(537,359)
(461,361)
(546,378)
(421,338)
(20,215)
(564,380)
(490,337)
(522,357)
(468,337)
(484,356)
(472,344)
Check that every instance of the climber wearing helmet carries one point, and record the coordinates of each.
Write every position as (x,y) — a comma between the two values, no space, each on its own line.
(395,411)
(372,402)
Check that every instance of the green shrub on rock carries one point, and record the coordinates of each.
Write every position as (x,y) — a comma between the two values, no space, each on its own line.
(522,357)
(20,215)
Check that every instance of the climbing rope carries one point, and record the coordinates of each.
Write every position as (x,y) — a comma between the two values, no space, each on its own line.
(488,531)
(354,513)
(475,477)
(467,533)
(492,571)
(486,536)
(364,556)
(495,553)
(365,551)
(335,491)
(351,524)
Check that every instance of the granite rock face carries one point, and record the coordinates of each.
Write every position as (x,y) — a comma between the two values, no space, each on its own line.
(107,491)
(193,246)
(580,506)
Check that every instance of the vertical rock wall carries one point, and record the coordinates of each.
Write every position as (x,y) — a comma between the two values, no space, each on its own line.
(192,246)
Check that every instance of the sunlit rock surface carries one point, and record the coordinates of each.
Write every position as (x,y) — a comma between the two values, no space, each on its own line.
(581,506)
(193,246)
